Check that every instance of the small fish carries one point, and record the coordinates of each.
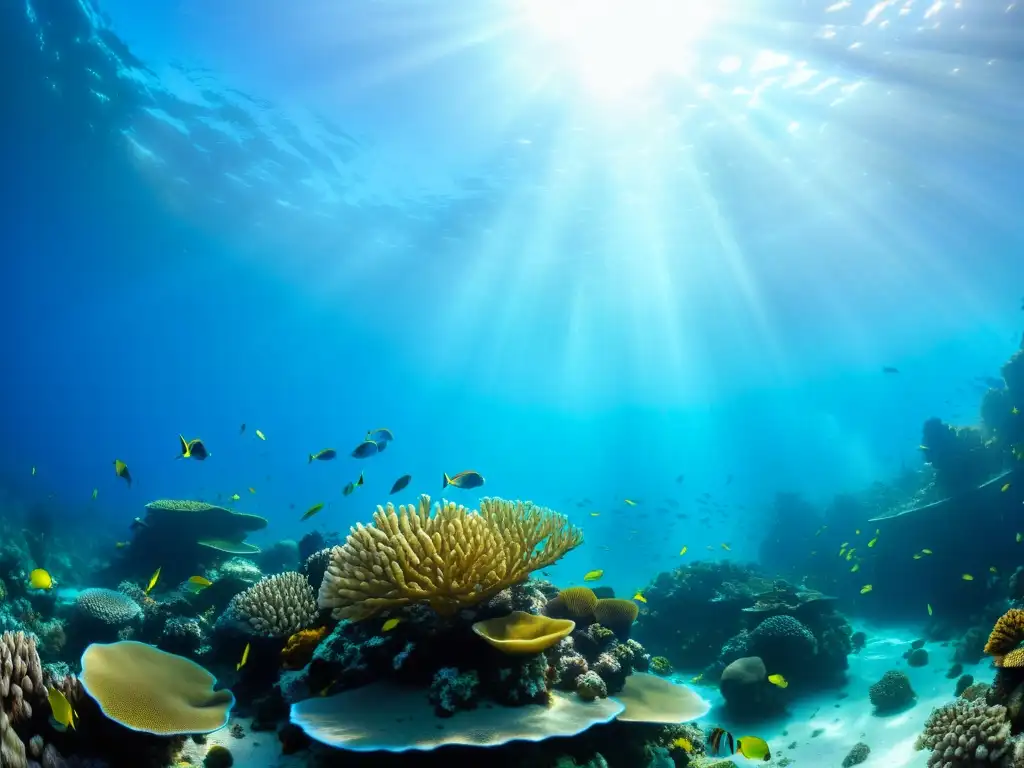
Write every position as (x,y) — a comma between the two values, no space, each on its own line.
(726,547)
(40,579)
(351,487)
(137,523)
(1005,488)
(251,489)
(967,577)
(929,609)
(245,658)
(717,738)
(890,369)
(390,624)
(33,471)
(121,470)
(260,435)
(923,448)
(639,597)
(630,502)
(857,531)
(753,748)
(845,544)
(927,552)
(593,575)
(684,550)
(192,449)
(200,581)
(325,455)
(856,567)
(849,555)
(312,511)
(95,493)
(235,497)
(365,450)
(778,680)
(241,430)
(1020,538)
(464,480)
(381,436)
(842,552)
(872,542)
(401,483)
(153,580)
(122,544)
(865,589)
(1015,410)
(918,555)
(595,514)
(63,714)
(684,744)
(992,569)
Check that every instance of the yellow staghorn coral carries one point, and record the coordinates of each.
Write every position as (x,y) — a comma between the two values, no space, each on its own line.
(449,559)
(1006,635)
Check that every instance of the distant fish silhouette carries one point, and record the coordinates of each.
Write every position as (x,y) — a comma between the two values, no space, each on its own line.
(889,369)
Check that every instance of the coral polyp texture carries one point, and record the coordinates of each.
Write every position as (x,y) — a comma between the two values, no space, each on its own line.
(966,733)
(277,606)
(448,558)
(1005,638)
(108,606)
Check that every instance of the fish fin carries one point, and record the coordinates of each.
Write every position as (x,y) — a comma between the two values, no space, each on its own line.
(447,481)
(360,481)
(186,451)
(311,458)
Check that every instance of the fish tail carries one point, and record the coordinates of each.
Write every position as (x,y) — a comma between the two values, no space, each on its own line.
(184,446)
(447,481)
(311,458)
(360,481)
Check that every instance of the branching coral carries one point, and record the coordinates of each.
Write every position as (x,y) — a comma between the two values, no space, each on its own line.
(277,606)
(966,733)
(450,559)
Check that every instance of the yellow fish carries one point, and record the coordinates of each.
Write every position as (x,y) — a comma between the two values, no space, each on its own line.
(753,748)
(235,497)
(918,555)
(630,502)
(312,511)
(926,552)
(63,714)
(390,624)
(684,550)
(593,575)
(856,567)
(252,490)
(683,744)
(245,653)
(33,470)
(153,581)
(122,544)
(1014,410)
(929,609)
(842,551)
(95,493)
(865,589)
(1019,538)
(922,448)
(726,547)
(199,581)
(872,542)
(121,470)
(845,544)
(595,514)
(639,597)
(1005,488)
(967,577)
(40,579)
(857,531)
(260,435)
(992,569)
(778,680)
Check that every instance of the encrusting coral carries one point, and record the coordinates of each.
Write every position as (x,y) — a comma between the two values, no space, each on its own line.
(277,606)
(450,559)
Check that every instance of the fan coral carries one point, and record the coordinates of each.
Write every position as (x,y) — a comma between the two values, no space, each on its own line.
(450,559)
(1006,635)
(108,606)
(277,606)
(892,692)
(965,733)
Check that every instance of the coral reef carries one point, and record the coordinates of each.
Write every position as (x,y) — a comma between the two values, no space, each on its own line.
(449,559)
(276,606)
(857,755)
(892,693)
(966,733)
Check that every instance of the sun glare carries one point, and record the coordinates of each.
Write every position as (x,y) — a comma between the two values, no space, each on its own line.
(619,46)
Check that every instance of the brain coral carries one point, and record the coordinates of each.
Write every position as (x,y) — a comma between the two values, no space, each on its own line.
(149,690)
(277,606)
(108,606)
(449,558)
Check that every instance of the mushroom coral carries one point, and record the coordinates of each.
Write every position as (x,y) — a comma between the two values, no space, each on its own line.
(450,558)
(523,633)
(391,718)
(149,690)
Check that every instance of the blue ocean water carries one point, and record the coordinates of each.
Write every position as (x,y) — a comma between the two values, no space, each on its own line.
(585,258)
